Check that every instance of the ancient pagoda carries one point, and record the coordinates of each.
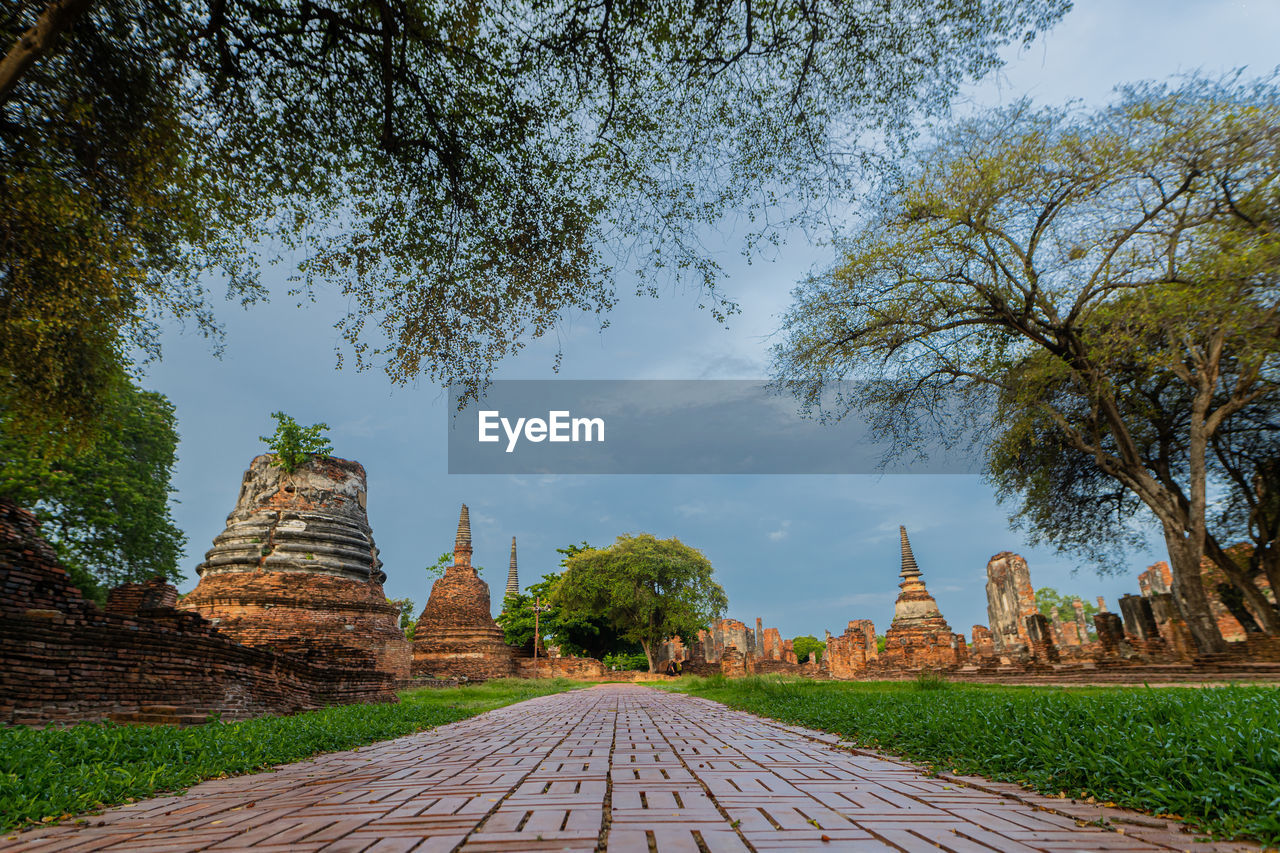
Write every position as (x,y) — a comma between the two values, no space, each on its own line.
(919,636)
(296,569)
(513,576)
(456,636)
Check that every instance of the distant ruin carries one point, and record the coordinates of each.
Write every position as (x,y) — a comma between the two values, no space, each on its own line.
(1146,641)
(456,636)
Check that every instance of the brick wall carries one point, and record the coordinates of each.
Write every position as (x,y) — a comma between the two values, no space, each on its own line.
(63,659)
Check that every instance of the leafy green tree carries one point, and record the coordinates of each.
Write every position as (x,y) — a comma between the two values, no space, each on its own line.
(805,644)
(151,147)
(575,632)
(437,569)
(292,445)
(1048,598)
(1060,265)
(646,589)
(626,661)
(406,608)
(106,509)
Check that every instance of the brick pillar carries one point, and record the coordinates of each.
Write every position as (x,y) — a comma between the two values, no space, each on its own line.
(1176,634)
(1040,632)
(1138,618)
(1110,633)
(1082,622)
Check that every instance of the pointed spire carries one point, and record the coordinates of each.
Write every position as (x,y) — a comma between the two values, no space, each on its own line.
(513,576)
(909,567)
(462,542)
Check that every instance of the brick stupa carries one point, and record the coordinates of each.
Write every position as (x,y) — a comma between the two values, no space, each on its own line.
(919,636)
(456,636)
(296,570)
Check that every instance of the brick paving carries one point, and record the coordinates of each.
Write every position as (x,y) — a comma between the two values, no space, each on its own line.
(612,768)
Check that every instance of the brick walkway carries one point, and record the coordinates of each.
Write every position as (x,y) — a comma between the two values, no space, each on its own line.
(616,768)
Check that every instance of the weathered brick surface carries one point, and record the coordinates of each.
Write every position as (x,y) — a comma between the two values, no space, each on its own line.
(584,669)
(1010,600)
(456,636)
(296,570)
(616,768)
(63,659)
(919,637)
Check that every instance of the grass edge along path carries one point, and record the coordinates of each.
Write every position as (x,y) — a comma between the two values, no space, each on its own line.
(1209,756)
(53,774)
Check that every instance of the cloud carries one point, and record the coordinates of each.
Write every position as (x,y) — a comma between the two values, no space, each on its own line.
(781,533)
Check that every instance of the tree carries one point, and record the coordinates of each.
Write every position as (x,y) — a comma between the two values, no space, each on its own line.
(1059,265)
(406,608)
(105,510)
(808,643)
(292,445)
(1048,598)
(1066,500)
(646,589)
(152,147)
(443,562)
(575,632)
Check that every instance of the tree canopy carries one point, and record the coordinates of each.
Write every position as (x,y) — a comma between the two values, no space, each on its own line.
(646,589)
(576,632)
(1104,281)
(464,175)
(105,509)
(806,644)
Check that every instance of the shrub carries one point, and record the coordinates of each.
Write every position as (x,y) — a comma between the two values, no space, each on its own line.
(292,445)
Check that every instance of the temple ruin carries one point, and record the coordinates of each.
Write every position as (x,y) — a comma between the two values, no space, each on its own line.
(918,636)
(456,636)
(1010,600)
(513,574)
(296,570)
(141,660)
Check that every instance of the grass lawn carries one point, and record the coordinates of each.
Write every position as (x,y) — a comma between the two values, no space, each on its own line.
(1208,755)
(57,772)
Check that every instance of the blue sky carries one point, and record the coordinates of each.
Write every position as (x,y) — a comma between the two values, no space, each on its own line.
(806,553)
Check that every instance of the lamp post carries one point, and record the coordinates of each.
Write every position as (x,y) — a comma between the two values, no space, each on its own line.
(538,609)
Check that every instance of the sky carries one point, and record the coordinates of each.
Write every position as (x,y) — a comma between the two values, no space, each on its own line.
(805,553)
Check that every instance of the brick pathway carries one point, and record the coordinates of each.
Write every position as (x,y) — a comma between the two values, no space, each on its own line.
(616,768)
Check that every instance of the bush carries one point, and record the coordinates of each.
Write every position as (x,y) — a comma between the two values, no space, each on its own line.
(627,661)
(292,445)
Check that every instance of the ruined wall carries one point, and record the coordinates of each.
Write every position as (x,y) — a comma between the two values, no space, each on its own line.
(569,667)
(62,659)
(1010,600)
(296,570)
(1236,619)
(848,655)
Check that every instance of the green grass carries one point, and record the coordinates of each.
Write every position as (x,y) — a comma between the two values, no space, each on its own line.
(53,773)
(1208,755)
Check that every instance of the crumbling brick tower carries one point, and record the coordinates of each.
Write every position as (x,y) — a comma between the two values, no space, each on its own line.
(456,635)
(919,637)
(296,570)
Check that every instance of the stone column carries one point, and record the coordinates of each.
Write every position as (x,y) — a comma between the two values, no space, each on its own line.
(1041,636)
(1082,622)
(1110,633)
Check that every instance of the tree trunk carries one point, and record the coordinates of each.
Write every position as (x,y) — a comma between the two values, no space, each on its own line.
(1188,591)
(58,17)
(1261,609)
(648,654)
